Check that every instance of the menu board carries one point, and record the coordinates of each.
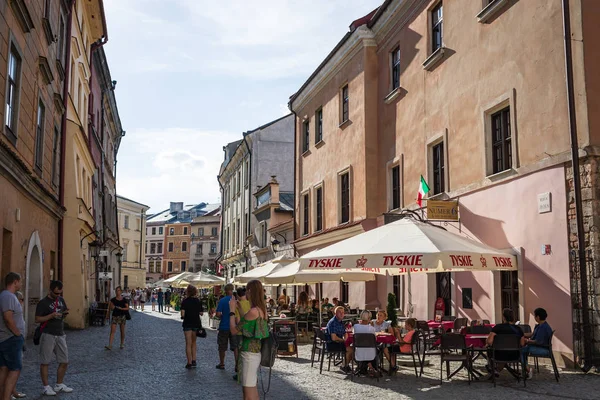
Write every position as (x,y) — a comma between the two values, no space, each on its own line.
(287,338)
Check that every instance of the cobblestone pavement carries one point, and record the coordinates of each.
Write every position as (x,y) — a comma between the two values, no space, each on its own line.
(152,367)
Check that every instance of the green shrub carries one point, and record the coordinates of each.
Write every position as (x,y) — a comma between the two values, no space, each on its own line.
(391,309)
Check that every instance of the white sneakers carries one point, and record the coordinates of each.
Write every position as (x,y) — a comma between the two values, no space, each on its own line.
(60,387)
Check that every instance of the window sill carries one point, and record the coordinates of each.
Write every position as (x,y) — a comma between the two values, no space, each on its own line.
(434,59)
(502,175)
(437,196)
(319,143)
(344,124)
(393,95)
(490,10)
(306,153)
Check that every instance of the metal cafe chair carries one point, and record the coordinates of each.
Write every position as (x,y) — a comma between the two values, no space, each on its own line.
(316,347)
(414,351)
(449,318)
(525,328)
(549,356)
(326,352)
(365,341)
(506,345)
(454,349)
(459,323)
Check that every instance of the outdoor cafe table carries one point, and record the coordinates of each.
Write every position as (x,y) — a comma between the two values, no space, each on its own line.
(382,338)
(447,325)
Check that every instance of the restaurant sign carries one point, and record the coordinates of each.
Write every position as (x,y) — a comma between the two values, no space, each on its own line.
(442,210)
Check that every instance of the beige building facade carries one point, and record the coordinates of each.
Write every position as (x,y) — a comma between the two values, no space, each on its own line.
(205,242)
(473,97)
(132,236)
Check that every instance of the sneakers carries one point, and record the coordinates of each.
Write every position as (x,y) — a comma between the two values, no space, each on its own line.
(48,391)
(194,365)
(188,366)
(220,366)
(530,373)
(346,369)
(61,387)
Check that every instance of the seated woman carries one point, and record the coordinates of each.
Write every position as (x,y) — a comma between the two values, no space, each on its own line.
(364,356)
(315,308)
(381,324)
(404,345)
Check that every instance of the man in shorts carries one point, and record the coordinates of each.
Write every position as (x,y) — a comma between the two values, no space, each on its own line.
(50,312)
(224,335)
(12,331)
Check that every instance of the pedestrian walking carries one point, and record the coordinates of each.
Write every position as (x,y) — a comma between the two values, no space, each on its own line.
(127,296)
(143,298)
(154,299)
(224,335)
(191,311)
(50,313)
(254,328)
(136,298)
(168,299)
(160,300)
(12,330)
(119,308)
(16,394)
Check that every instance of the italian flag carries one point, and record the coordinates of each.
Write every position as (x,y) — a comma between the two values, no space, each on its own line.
(423,190)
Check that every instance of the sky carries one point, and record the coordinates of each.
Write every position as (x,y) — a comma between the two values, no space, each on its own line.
(192,75)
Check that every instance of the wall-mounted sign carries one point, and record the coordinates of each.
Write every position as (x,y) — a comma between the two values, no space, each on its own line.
(442,210)
(103,253)
(544,203)
(105,276)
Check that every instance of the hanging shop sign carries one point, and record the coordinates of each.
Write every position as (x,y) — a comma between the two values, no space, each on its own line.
(442,210)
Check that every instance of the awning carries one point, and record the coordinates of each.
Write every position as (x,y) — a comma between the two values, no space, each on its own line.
(292,275)
(264,269)
(408,246)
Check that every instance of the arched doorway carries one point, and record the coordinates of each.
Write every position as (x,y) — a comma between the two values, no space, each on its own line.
(34,274)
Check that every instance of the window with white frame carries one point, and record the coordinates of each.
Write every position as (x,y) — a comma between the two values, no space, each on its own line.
(39,136)
(305,214)
(437,159)
(345,102)
(126,222)
(305,135)
(437,25)
(319,208)
(319,125)
(11,106)
(55,157)
(501,141)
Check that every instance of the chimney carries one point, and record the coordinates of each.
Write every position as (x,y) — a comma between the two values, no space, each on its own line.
(176,207)
(274,189)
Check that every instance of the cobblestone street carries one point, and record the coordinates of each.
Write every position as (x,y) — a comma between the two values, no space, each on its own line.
(152,367)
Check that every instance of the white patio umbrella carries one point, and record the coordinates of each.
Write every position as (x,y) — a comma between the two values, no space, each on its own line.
(204,279)
(264,269)
(405,247)
(179,277)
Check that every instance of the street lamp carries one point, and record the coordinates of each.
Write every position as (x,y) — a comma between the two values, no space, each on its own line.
(119,257)
(274,244)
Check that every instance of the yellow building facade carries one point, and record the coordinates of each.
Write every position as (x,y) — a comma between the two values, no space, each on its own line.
(132,237)
(87,26)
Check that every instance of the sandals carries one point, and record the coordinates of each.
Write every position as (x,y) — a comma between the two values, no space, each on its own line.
(108,347)
(219,366)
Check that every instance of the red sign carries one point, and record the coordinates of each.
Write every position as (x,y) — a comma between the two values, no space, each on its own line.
(414,260)
(326,263)
(405,270)
(503,262)
(461,261)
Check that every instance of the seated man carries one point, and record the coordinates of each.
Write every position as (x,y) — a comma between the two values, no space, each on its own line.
(364,357)
(336,336)
(404,345)
(507,327)
(536,344)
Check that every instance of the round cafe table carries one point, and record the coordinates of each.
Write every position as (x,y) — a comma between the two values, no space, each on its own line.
(446,325)
(382,338)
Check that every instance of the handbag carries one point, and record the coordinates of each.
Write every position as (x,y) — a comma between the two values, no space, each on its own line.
(268,350)
(127,315)
(201,333)
(37,334)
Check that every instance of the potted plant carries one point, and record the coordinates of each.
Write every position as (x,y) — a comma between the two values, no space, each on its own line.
(212,304)
(391,309)
(176,302)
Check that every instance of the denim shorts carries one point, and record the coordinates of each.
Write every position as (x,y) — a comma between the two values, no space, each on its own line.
(11,353)
(187,328)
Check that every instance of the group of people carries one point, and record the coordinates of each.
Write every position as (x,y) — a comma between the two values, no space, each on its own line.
(49,314)
(138,298)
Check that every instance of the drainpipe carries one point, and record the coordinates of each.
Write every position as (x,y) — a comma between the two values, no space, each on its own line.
(295,178)
(220,256)
(63,139)
(249,199)
(141,242)
(585,308)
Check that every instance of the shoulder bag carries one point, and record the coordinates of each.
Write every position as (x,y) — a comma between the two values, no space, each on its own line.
(37,334)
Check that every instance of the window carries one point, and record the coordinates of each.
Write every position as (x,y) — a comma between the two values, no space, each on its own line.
(213,248)
(501,141)
(395,58)
(200,231)
(437,27)
(345,197)
(126,222)
(263,235)
(319,125)
(233,237)
(39,136)
(396,187)
(150,267)
(154,231)
(60,49)
(138,224)
(124,256)
(170,266)
(238,238)
(185,230)
(213,232)
(160,230)
(152,248)
(344,292)
(509,281)
(183,265)
(305,135)
(345,100)
(305,214)
(170,247)
(239,181)
(246,173)
(158,267)
(159,248)
(319,206)
(184,246)
(171,231)
(12,92)
(55,158)
(199,249)
(438,168)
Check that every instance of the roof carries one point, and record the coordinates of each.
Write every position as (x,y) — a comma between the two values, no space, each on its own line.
(229,150)
(166,217)
(286,201)
(132,201)
(368,20)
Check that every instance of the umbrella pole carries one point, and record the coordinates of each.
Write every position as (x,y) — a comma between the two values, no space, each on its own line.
(319,306)
(410,305)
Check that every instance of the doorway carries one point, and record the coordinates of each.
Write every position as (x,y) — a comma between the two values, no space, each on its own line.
(33,280)
(509,281)
(443,289)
